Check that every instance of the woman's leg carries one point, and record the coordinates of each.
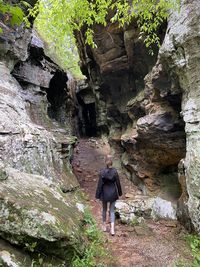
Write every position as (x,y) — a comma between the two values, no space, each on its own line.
(104,211)
(112,217)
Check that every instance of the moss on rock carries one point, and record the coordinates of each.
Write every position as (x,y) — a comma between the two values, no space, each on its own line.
(35,214)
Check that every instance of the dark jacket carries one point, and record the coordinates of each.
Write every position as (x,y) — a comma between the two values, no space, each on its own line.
(109,187)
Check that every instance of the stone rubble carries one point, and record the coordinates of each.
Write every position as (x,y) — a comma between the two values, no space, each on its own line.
(145,207)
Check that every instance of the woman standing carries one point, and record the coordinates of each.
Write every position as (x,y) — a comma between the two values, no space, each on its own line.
(108,191)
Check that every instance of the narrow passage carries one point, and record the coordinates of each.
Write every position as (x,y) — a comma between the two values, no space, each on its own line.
(154,244)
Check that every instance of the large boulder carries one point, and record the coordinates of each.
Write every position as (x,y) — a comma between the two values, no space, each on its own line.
(37,215)
(38,69)
(145,207)
(155,141)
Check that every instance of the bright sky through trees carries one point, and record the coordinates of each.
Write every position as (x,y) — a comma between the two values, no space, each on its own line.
(57,20)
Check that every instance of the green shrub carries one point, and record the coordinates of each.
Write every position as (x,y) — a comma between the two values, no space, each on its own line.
(194,242)
(95,250)
(13,14)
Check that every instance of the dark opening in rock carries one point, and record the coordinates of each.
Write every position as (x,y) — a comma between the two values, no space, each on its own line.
(87,115)
(57,96)
(170,188)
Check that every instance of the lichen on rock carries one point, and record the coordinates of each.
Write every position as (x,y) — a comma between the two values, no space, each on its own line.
(38,198)
(180,54)
(32,210)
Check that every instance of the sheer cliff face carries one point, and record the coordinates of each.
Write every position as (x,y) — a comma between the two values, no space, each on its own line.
(180,53)
(38,203)
(149,105)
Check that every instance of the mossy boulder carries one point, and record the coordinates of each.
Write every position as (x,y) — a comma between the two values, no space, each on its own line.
(37,215)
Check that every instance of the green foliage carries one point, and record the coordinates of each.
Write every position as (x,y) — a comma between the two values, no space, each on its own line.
(57,34)
(59,20)
(95,250)
(32,12)
(194,242)
(41,263)
(63,52)
(12,14)
(59,16)
(42,260)
(31,247)
(88,218)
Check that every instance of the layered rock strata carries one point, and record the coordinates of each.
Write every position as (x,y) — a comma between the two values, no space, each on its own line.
(180,53)
(148,106)
(39,205)
(143,125)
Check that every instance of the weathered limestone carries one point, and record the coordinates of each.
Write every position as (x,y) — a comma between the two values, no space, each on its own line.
(145,207)
(27,146)
(46,90)
(13,45)
(142,124)
(39,204)
(115,69)
(34,210)
(149,107)
(180,53)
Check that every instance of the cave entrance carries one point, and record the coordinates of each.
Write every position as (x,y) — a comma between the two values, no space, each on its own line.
(57,96)
(87,113)
(89,118)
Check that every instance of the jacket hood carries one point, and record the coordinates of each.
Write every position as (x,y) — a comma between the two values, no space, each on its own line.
(108,175)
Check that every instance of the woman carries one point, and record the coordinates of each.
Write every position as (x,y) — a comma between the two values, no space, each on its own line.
(108,191)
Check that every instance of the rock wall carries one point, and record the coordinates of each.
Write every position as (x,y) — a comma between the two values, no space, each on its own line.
(148,105)
(129,108)
(39,203)
(180,53)
(115,69)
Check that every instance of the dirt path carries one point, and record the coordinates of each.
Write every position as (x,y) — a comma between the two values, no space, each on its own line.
(158,244)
